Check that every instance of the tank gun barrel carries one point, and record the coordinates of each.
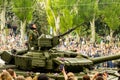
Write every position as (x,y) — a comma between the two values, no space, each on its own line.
(69,31)
(105,58)
(56,38)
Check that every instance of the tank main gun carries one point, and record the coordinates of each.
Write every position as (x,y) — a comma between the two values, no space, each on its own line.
(48,43)
(105,58)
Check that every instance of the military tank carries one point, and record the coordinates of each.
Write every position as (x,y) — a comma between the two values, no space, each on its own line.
(48,59)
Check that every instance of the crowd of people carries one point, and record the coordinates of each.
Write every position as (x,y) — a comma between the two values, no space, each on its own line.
(10,74)
(11,41)
(96,76)
(86,48)
(92,50)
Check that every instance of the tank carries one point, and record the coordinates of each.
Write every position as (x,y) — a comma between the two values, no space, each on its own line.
(48,59)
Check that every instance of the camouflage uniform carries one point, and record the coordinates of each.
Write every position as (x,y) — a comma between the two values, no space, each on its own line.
(33,39)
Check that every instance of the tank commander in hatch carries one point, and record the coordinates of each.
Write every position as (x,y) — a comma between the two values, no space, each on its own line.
(33,37)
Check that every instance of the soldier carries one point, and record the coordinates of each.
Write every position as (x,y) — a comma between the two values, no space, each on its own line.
(33,37)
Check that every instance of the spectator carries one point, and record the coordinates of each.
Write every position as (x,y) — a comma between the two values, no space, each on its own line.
(100,76)
(5,76)
(86,77)
(12,73)
(68,76)
(43,77)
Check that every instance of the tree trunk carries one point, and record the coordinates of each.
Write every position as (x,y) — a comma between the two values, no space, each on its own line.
(57,25)
(92,24)
(22,31)
(3,26)
(111,35)
(78,37)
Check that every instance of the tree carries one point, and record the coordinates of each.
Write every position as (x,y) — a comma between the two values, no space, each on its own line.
(24,10)
(40,17)
(111,15)
(59,14)
(89,12)
(3,5)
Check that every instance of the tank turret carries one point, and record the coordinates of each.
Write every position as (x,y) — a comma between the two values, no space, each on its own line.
(46,43)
